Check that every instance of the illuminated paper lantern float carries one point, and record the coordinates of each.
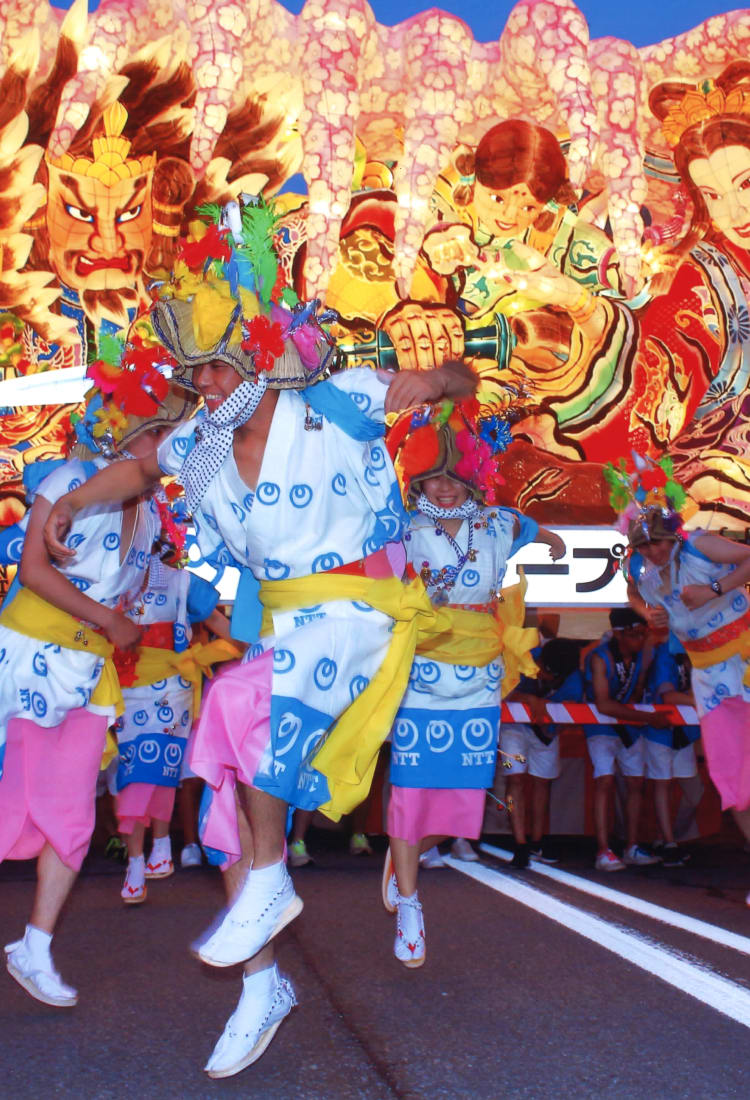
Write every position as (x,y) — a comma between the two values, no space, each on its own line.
(327,83)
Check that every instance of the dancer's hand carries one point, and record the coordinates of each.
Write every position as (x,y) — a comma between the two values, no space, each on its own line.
(656,617)
(121,631)
(56,528)
(556,546)
(696,595)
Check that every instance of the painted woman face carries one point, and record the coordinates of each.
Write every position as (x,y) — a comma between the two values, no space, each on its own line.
(723,179)
(99,235)
(508,212)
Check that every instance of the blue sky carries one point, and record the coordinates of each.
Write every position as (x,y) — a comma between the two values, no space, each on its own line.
(639,21)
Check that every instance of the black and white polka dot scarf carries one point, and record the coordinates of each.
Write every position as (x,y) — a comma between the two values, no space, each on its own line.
(213,439)
(468,509)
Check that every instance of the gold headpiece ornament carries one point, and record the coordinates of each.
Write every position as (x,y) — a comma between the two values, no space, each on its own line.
(109,162)
(705,101)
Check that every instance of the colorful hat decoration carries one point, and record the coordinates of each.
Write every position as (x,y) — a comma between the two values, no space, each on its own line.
(464,439)
(132,390)
(228,300)
(648,499)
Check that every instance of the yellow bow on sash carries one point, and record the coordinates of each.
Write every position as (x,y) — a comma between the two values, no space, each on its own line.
(29,614)
(192,664)
(349,752)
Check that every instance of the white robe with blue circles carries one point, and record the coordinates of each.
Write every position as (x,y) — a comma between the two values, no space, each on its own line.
(152,732)
(446,730)
(725,679)
(323,499)
(41,681)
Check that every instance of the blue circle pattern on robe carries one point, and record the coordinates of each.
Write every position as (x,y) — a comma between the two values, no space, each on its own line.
(724,679)
(152,732)
(446,730)
(323,499)
(42,681)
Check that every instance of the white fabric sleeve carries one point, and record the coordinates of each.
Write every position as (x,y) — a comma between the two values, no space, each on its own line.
(63,480)
(176,447)
(366,390)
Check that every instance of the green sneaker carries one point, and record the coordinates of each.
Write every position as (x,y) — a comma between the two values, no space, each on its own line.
(359,845)
(116,849)
(298,854)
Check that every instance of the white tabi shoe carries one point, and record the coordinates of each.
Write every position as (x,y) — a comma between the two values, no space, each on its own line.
(266,1000)
(39,978)
(409,946)
(389,887)
(265,905)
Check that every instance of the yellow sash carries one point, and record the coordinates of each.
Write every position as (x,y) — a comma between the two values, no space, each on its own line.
(349,752)
(32,616)
(192,664)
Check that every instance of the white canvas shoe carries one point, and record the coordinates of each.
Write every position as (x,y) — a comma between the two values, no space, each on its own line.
(266,1000)
(39,977)
(264,906)
(409,947)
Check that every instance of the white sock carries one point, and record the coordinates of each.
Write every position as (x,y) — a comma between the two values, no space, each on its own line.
(267,978)
(38,943)
(162,849)
(136,873)
(267,876)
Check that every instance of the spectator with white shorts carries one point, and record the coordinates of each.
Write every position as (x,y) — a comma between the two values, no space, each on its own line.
(615,677)
(534,750)
(670,752)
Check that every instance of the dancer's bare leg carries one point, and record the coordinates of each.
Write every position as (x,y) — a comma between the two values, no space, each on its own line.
(54,883)
(406,861)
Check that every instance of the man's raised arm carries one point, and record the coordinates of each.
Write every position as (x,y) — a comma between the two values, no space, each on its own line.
(120,481)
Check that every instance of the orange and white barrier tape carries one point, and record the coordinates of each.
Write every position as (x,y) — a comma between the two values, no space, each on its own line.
(586,714)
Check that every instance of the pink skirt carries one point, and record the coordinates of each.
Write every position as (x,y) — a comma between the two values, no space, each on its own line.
(726,740)
(233,732)
(48,788)
(144,803)
(417,812)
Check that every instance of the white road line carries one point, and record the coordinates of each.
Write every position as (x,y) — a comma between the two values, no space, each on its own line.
(697,981)
(713,932)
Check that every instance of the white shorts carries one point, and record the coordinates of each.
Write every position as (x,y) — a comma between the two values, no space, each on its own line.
(664,762)
(541,760)
(606,751)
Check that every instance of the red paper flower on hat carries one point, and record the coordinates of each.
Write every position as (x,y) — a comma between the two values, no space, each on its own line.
(265,339)
(654,478)
(213,245)
(105,376)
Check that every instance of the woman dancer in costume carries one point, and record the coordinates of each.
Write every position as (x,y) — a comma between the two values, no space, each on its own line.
(58,685)
(695,583)
(297,488)
(152,732)
(446,730)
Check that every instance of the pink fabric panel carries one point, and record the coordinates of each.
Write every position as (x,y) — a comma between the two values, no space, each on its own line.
(233,732)
(726,740)
(143,802)
(48,788)
(417,812)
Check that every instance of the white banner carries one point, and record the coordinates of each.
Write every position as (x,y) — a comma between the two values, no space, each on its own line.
(588,575)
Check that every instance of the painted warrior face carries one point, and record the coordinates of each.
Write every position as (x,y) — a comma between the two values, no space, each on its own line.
(99,234)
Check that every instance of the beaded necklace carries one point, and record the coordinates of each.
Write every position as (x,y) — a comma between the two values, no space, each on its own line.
(439,582)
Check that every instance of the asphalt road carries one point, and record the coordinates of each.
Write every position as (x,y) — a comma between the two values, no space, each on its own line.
(531,988)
